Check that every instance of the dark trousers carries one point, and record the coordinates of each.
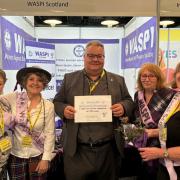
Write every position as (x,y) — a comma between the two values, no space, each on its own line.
(149,170)
(56,171)
(88,163)
(131,163)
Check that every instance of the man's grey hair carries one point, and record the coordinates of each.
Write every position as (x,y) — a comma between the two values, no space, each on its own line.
(94,43)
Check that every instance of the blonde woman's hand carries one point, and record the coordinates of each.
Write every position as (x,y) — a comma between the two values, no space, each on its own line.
(150,153)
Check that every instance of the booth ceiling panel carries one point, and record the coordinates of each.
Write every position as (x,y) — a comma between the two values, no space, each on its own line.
(92,21)
(80,21)
(78,7)
(170,8)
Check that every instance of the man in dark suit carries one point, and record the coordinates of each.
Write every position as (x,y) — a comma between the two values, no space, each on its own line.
(89,148)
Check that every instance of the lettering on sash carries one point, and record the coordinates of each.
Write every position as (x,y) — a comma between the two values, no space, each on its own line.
(144,112)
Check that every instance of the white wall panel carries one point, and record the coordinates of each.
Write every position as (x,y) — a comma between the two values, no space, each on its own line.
(57,33)
(102,33)
(135,23)
(20,22)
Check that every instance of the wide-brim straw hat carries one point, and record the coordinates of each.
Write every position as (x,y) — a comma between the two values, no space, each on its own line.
(24,71)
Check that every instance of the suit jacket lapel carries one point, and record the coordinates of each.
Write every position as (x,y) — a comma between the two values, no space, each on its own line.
(80,90)
(110,81)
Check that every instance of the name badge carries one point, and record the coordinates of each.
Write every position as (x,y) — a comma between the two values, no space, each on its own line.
(5,144)
(27,141)
(163,134)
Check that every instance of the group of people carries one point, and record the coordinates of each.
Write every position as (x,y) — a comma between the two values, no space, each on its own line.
(91,150)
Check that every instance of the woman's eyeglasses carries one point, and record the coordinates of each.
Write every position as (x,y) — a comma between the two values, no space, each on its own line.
(149,76)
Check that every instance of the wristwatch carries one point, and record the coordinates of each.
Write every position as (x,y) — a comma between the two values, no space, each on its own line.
(165,153)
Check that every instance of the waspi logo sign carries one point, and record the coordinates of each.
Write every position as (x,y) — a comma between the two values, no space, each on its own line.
(140,46)
(13,45)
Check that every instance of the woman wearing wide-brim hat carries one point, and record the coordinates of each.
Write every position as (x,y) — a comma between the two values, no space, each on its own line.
(33,136)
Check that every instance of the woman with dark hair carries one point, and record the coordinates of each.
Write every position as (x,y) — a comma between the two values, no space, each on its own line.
(151,99)
(33,136)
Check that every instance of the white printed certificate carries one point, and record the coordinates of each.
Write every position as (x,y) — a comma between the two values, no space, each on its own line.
(93,109)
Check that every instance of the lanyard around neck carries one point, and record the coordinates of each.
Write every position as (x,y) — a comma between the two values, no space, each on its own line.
(92,86)
(29,118)
(1,121)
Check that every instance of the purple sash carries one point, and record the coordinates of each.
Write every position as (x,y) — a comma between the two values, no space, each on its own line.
(144,111)
(21,108)
(24,125)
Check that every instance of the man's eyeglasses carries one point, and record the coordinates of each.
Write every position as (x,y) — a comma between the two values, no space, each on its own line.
(93,56)
(149,76)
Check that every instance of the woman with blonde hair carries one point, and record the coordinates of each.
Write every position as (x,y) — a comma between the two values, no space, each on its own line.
(151,99)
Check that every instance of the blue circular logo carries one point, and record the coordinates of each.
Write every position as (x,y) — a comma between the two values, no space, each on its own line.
(78,50)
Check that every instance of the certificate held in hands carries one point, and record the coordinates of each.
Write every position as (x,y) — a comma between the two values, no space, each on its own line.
(93,109)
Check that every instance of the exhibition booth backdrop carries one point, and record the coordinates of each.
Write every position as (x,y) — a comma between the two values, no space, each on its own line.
(60,50)
(127,47)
